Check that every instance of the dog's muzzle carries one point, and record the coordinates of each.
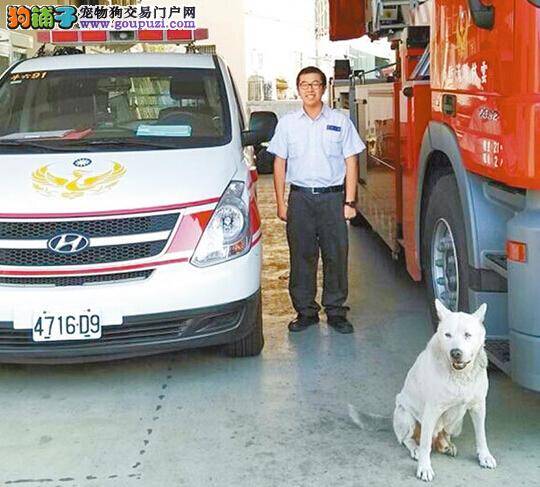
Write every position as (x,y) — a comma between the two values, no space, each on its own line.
(459,365)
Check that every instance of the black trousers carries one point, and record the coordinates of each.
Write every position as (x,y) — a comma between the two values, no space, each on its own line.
(315,223)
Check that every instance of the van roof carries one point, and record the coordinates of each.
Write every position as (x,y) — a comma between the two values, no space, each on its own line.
(129,60)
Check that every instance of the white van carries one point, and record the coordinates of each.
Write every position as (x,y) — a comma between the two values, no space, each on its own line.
(128,220)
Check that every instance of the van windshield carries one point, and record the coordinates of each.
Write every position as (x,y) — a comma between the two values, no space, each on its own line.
(111,109)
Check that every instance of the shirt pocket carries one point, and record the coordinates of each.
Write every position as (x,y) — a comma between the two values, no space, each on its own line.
(333,147)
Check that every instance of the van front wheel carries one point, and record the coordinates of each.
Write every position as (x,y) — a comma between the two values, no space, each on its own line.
(253,343)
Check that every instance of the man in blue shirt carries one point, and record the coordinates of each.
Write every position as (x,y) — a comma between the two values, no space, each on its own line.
(316,151)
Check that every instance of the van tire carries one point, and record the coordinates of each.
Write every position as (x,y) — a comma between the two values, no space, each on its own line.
(443,204)
(253,343)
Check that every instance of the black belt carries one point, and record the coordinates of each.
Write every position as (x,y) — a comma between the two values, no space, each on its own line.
(327,189)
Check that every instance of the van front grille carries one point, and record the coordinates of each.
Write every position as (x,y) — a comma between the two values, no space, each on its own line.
(91,255)
(24,230)
(75,280)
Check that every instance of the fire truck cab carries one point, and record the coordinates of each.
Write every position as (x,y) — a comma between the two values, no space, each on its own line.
(452,174)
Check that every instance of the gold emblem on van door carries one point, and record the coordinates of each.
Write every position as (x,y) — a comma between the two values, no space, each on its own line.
(77,178)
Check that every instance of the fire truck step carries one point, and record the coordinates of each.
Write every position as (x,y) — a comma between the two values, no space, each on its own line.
(497,263)
(498,352)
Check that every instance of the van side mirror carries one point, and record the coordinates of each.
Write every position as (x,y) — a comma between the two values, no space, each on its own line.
(261,128)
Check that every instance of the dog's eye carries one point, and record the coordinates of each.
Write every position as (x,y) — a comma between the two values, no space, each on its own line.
(447,335)
(468,335)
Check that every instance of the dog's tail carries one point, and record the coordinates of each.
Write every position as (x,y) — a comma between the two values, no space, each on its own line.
(368,421)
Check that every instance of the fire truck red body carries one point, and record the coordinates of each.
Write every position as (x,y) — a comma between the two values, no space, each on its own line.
(452,173)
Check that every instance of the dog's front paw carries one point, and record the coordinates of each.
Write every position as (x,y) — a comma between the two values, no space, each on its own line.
(425,472)
(450,449)
(487,460)
(414,453)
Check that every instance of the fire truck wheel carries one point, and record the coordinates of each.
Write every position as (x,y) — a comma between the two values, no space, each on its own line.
(444,248)
(252,344)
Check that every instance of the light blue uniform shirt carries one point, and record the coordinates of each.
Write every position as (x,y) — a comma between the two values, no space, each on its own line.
(315,150)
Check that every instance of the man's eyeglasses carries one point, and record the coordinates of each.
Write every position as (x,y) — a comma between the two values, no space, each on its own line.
(304,85)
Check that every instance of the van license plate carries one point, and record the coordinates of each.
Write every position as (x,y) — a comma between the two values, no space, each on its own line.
(50,326)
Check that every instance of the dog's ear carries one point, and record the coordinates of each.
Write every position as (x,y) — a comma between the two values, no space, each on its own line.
(480,313)
(442,310)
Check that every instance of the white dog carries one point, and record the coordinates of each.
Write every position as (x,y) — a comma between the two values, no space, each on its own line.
(448,379)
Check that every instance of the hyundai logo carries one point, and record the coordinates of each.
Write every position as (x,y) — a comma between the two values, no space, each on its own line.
(68,243)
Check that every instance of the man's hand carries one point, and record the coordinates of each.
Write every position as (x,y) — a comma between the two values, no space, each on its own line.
(349,212)
(282,212)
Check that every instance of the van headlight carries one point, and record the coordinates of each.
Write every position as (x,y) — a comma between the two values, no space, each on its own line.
(227,234)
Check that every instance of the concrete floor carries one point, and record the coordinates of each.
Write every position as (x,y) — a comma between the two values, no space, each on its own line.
(198,418)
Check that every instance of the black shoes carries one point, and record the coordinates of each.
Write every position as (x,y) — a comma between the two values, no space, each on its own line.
(302,322)
(340,324)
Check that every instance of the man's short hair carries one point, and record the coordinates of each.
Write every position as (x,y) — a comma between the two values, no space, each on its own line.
(308,70)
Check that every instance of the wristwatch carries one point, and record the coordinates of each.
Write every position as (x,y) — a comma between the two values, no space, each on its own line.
(352,204)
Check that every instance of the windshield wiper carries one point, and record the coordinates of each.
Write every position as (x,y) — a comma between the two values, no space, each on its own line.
(37,145)
(130,142)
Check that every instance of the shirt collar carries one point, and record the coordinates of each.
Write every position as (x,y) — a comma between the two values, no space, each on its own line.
(325,112)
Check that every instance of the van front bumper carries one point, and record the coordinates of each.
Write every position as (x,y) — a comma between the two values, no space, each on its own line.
(138,335)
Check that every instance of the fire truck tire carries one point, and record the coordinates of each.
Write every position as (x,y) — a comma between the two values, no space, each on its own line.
(253,343)
(443,217)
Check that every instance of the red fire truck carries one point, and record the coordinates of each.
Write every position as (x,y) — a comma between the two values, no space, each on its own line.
(452,173)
